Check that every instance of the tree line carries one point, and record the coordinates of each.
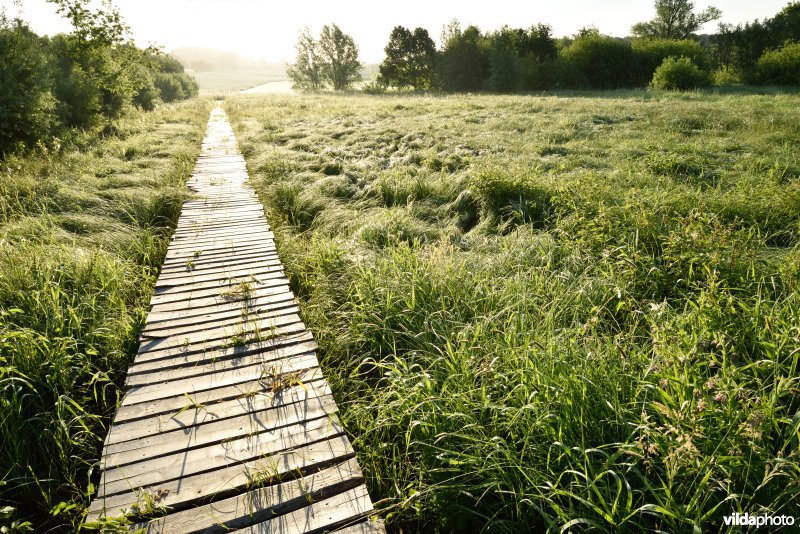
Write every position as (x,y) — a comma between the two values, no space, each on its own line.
(664,52)
(84,79)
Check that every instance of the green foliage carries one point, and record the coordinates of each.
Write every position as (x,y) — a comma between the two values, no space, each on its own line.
(306,72)
(463,63)
(678,74)
(650,53)
(675,19)
(339,55)
(599,61)
(83,234)
(743,45)
(27,106)
(505,65)
(84,79)
(410,59)
(726,75)
(779,67)
(332,60)
(575,312)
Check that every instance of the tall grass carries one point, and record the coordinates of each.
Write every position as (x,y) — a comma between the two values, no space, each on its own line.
(82,234)
(586,320)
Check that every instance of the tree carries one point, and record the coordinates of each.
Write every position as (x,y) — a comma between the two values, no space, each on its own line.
(339,55)
(27,106)
(504,60)
(675,19)
(464,62)
(306,73)
(410,59)
(332,60)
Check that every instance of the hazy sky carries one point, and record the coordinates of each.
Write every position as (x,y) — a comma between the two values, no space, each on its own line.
(264,29)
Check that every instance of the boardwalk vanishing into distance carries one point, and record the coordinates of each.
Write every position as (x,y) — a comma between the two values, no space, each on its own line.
(228,424)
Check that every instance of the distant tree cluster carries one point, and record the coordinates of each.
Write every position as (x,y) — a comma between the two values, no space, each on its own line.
(530,59)
(330,61)
(78,80)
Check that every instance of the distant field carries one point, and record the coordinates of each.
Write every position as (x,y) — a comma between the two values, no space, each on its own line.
(575,311)
(231,82)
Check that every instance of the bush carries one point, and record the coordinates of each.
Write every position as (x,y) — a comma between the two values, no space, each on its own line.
(650,53)
(678,74)
(726,75)
(779,67)
(599,61)
(27,107)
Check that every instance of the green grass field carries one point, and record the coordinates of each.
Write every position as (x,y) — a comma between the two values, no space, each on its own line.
(572,311)
(83,232)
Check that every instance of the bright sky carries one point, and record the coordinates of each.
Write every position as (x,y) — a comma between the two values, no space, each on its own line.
(260,29)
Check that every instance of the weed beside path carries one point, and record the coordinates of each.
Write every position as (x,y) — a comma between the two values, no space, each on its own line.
(548,311)
(83,232)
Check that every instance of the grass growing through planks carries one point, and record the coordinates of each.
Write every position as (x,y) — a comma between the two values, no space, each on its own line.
(82,234)
(563,312)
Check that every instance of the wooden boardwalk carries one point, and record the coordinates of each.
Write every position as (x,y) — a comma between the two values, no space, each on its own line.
(227,424)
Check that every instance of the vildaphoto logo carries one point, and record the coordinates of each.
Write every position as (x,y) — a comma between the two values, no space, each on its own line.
(748,520)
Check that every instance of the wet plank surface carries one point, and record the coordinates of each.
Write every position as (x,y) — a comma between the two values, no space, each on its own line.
(228,424)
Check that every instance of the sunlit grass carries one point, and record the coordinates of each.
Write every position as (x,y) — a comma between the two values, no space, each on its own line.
(543,312)
(82,234)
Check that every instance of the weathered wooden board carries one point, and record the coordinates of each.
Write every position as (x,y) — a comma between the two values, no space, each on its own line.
(227,422)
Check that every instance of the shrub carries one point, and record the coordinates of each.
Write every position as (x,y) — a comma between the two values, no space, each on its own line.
(726,75)
(27,107)
(650,53)
(779,67)
(599,61)
(678,74)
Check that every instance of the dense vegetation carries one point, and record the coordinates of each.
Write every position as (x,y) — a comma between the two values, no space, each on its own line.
(83,231)
(86,79)
(576,310)
(89,189)
(518,59)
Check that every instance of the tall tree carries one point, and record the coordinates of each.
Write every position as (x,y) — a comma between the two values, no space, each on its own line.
(306,73)
(463,63)
(675,19)
(339,55)
(410,59)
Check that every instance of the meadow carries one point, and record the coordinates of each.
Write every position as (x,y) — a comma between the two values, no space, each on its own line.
(572,311)
(84,225)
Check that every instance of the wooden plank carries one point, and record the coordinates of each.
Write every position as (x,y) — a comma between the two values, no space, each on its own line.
(201,265)
(258,505)
(202,256)
(271,298)
(224,288)
(256,328)
(211,303)
(221,344)
(189,386)
(216,431)
(185,463)
(202,397)
(227,420)
(221,273)
(142,365)
(322,516)
(247,313)
(222,230)
(307,394)
(370,526)
(145,376)
(181,493)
